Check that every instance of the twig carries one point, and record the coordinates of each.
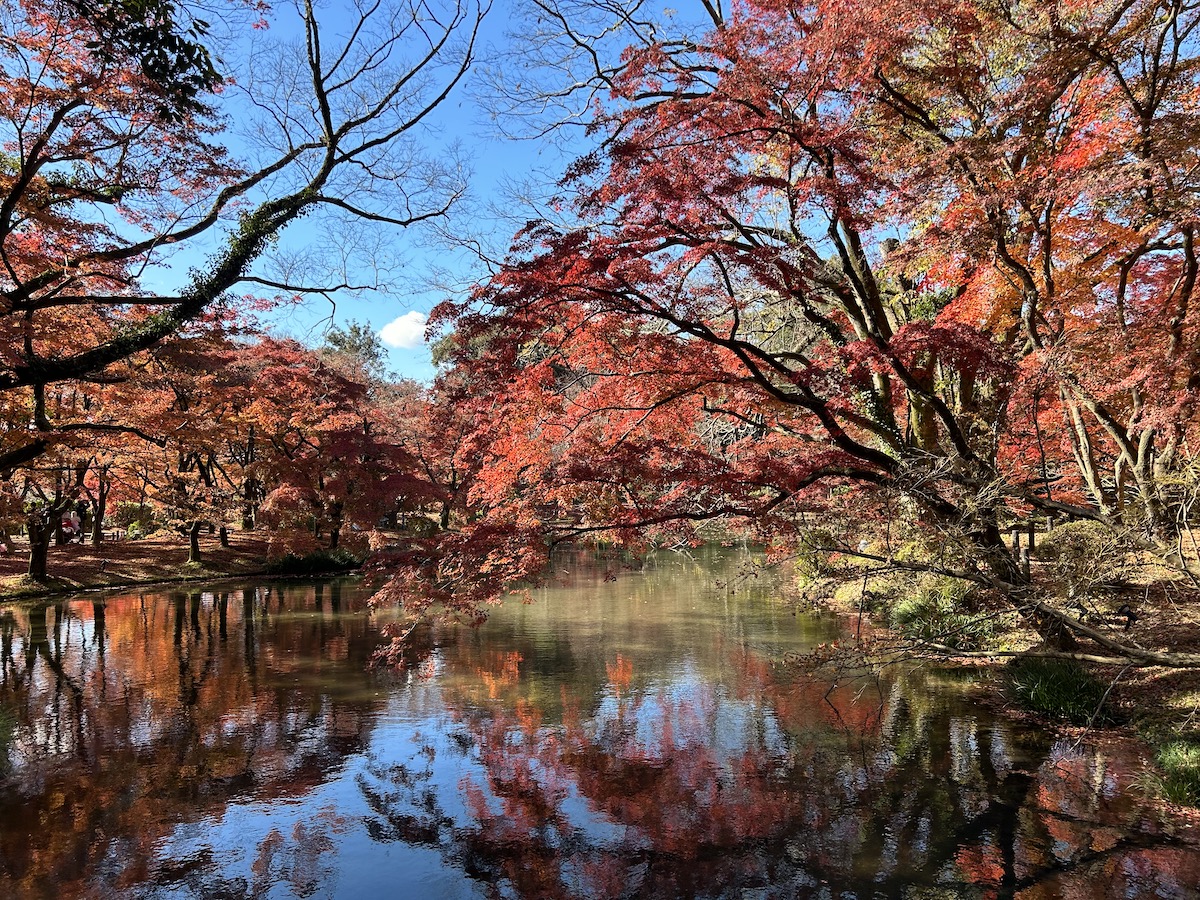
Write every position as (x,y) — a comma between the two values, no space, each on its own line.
(1112,684)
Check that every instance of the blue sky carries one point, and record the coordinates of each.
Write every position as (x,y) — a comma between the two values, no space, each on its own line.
(399,314)
(417,270)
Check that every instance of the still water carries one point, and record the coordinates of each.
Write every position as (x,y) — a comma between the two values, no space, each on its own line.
(632,734)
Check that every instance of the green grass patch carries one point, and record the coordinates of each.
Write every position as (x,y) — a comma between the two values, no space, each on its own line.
(319,562)
(1179,761)
(942,610)
(1058,688)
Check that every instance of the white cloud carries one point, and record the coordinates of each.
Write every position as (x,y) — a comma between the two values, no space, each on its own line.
(406,332)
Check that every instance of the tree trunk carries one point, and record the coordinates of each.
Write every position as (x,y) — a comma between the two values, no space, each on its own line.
(922,424)
(1005,565)
(223,535)
(194,542)
(249,504)
(335,526)
(41,527)
(99,507)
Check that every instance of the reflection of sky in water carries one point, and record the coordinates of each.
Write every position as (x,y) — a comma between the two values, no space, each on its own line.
(417,766)
(628,738)
(347,862)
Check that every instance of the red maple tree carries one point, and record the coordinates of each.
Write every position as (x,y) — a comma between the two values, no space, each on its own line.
(934,259)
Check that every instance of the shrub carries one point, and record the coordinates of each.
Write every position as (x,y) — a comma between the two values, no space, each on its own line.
(1059,688)
(421,526)
(811,555)
(942,610)
(1081,557)
(318,562)
(131,516)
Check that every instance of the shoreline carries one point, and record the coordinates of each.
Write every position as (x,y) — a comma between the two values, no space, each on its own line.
(146,562)
(36,596)
(1153,707)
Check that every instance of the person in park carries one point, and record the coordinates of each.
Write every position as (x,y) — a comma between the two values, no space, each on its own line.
(72,526)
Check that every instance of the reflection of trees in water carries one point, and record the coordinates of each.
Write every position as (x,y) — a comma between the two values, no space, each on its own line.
(677,788)
(299,859)
(130,716)
(703,772)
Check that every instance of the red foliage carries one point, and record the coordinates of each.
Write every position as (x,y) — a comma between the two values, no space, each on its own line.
(942,250)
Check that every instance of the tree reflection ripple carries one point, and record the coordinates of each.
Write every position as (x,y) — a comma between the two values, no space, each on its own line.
(627,736)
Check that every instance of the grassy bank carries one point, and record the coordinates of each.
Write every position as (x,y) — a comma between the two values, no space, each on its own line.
(902,614)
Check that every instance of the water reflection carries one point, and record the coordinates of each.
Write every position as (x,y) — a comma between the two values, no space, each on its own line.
(635,737)
(680,788)
(131,715)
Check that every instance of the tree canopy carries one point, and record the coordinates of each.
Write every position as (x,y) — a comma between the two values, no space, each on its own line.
(101,190)
(860,263)
(128,157)
(874,280)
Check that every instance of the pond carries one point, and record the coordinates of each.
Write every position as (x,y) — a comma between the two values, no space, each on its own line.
(631,734)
